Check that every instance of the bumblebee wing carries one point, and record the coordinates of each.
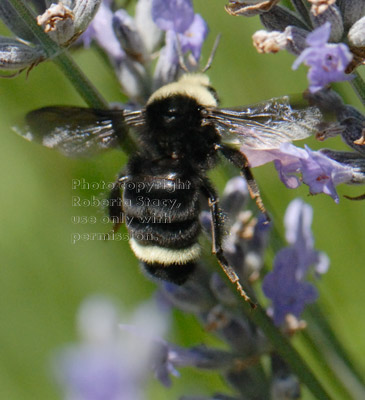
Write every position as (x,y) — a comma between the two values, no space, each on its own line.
(266,125)
(77,131)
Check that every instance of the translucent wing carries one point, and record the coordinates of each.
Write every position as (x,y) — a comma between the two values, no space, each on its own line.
(77,131)
(266,125)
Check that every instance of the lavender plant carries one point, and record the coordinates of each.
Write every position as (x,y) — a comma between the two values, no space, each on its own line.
(259,361)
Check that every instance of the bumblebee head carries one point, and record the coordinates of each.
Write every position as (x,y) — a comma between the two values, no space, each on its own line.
(195,86)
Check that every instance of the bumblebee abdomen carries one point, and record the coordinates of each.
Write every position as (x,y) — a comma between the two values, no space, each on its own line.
(155,199)
(170,235)
(162,211)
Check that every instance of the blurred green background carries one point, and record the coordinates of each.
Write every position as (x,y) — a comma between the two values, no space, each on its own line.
(44,276)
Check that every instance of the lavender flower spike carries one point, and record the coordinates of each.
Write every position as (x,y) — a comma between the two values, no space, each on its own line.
(327,62)
(288,294)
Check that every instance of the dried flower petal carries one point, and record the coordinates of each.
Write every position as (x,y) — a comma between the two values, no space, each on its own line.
(250,8)
(64,22)
(333,16)
(320,6)
(55,14)
(269,42)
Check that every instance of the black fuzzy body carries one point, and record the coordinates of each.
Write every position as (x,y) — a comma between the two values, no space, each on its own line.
(162,183)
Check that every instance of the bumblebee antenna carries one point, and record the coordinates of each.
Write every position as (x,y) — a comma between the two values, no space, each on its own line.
(180,54)
(212,53)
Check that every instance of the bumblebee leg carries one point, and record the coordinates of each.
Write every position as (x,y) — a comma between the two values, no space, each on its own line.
(217,223)
(115,206)
(240,161)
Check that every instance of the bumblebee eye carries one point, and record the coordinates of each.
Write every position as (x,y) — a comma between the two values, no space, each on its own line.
(170,115)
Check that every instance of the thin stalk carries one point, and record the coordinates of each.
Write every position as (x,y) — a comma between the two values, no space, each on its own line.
(79,81)
(320,328)
(358,85)
(325,360)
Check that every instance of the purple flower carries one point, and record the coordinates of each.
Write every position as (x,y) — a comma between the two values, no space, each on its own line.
(88,373)
(173,15)
(177,18)
(101,30)
(288,294)
(108,363)
(285,285)
(298,220)
(319,172)
(169,357)
(130,44)
(193,38)
(327,62)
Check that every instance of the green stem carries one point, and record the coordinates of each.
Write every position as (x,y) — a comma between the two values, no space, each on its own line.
(358,85)
(60,57)
(79,81)
(324,361)
(320,330)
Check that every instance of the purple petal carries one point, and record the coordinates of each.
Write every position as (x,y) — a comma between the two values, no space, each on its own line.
(319,36)
(327,62)
(319,172)
(162,366)
(301,58)
(288,164)
(288,294)
(168,62)
(322,174)
(322,264)
(259,157)
(286,285)
(101,30)
(94,374)
(193,38)
(298,221)
(174,15)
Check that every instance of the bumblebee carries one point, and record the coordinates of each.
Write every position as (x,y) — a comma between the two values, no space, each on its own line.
(179,133)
